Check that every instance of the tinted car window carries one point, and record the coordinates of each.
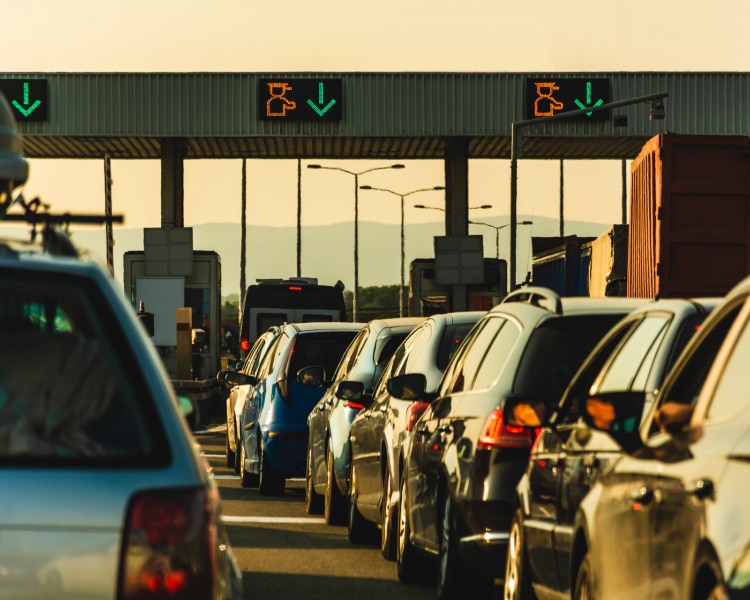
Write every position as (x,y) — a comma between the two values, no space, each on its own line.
(555,352)
(449,376)
(473,358)
(452,338)
(630,366)
(320,348)
(496,356)
(687,386)
(732,390)
(69,392)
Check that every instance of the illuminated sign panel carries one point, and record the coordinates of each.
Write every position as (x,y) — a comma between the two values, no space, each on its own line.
(27,98)
(299,99)
(551,96)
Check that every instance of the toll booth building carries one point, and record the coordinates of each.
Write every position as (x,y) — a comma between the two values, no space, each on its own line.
(181,287)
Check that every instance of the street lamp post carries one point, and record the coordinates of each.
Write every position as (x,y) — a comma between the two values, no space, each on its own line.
(657,112)
(497,229)
(441,209)
(356,174)
(401,311)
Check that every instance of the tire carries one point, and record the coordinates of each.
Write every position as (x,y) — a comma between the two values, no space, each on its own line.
(230,456)
(388,527)
(238,441)
(517,585)
(708,581)
(247,479)
(313,500)
(361,531)
(334,508)
(410,565)
(583,589)
(271,483)
(449,568)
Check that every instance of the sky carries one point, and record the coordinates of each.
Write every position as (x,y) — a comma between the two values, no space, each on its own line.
(344,36)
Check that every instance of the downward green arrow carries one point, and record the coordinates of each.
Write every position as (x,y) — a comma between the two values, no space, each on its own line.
(588,104)
(26,111)
(321,99)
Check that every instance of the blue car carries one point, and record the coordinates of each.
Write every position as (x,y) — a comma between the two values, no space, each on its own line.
(273,422)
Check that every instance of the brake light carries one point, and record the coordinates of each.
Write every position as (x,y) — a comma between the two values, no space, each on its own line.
(295,288)
(168,546)
(244,344)
(496,434)
(413,413)
(354,405)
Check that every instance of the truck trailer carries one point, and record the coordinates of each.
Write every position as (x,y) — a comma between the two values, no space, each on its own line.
(689,216)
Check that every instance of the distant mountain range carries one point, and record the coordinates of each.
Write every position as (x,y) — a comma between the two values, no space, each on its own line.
(328,250)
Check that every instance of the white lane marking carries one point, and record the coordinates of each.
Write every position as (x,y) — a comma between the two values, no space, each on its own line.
(225,476)
(209,455)
(284,520)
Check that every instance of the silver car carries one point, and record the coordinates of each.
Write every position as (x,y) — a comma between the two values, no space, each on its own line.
(104,493)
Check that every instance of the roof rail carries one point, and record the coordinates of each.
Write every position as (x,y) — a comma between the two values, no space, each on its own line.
(542,297)
(55,238)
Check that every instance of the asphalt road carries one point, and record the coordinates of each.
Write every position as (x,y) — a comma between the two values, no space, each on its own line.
(286,553)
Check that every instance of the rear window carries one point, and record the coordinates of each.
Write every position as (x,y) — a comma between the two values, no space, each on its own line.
(69,391)
(319,348)
(555,352)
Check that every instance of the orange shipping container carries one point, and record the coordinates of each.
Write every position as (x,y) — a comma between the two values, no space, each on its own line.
(689,231)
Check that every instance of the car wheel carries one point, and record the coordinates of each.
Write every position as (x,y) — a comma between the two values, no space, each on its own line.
(410,565)
(708,581)
(361,531)
(388,530)
(449,568)
(333,509)
(517,584)
(584,580)
(237,442)
(271,483)
(313,500)
(247,479)
(230,456)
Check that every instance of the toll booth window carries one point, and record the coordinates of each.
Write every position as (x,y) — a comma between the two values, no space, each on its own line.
(70,393)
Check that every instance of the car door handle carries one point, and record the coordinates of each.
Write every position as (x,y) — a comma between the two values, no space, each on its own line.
(641,497)
(590,461)
(701,488)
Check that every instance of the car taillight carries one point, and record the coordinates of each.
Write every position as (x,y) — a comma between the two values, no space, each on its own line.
(413,413)
(354,405)
(245,344)
(496,434)
(169,542)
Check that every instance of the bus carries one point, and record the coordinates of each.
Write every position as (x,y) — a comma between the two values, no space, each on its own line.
(272,302)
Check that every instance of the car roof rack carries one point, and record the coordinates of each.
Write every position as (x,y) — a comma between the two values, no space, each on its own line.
(538,296)
(55,236)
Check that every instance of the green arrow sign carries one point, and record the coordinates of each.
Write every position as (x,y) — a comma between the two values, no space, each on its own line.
(27,98)
(321,99)
(26,110)
(588,104)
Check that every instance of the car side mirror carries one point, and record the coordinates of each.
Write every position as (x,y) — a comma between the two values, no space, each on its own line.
(236,378)
(618,414)
(313,376)
(525,412)
(351,390)
(407,387)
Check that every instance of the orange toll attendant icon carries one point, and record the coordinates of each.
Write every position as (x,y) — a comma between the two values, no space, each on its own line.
(545,105)
(277,103)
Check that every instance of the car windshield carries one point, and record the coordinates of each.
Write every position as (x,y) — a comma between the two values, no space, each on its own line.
(555,351)
(68,393)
